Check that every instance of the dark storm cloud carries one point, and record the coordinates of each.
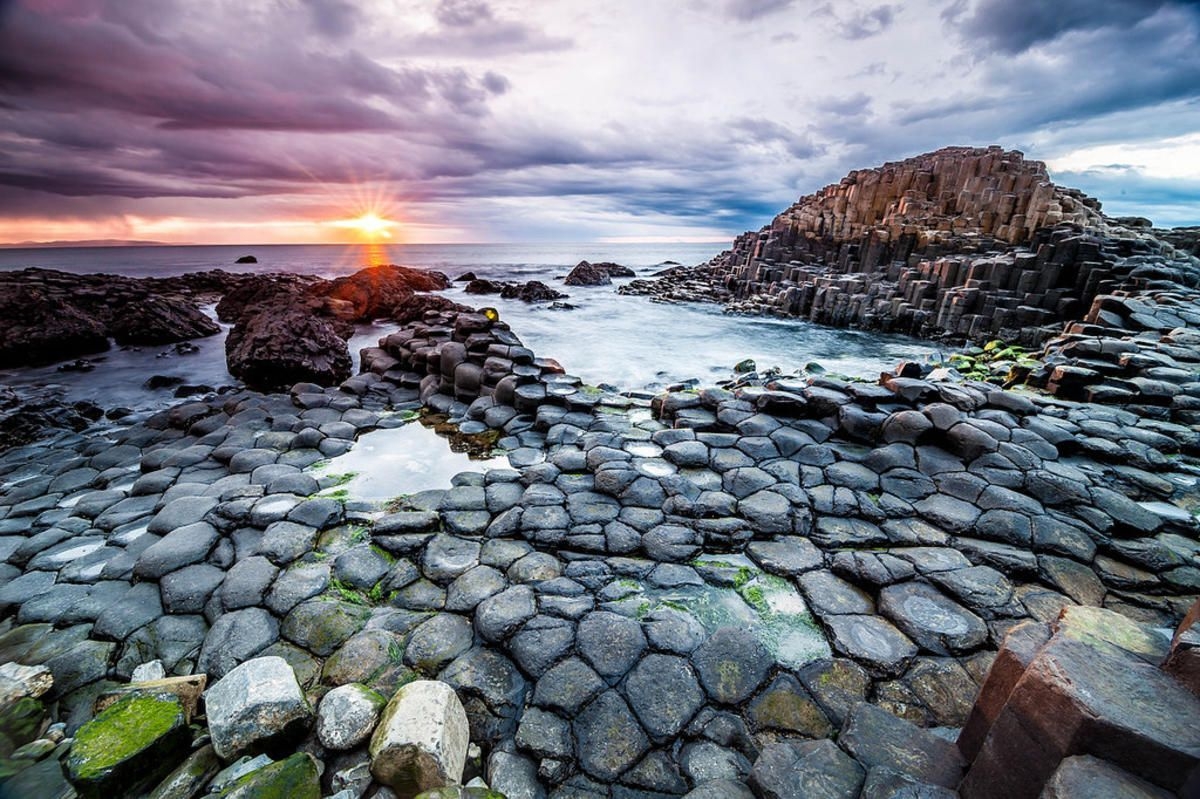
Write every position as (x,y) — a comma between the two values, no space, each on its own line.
(1014,27)
(1107,71)
(51,64)
(173,111)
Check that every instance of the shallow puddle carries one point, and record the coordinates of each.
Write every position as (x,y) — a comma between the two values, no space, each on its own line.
(386,463)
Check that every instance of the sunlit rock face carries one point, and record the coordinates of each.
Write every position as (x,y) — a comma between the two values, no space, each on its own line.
(962,243)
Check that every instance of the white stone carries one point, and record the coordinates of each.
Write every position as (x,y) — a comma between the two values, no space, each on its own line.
(421,741)
(347,716)
(18,682)
(149,671)
(255,705)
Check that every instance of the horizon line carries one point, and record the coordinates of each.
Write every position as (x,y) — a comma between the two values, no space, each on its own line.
(84,243)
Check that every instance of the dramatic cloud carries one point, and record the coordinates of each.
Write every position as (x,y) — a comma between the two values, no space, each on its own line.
(1015,27)
(514,119)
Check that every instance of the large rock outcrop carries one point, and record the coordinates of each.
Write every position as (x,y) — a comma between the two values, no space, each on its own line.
(375,292)
(289,330)
(968,244)
(48,316)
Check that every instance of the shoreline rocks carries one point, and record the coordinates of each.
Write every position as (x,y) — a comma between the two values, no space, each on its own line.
(682,594)
(906,526)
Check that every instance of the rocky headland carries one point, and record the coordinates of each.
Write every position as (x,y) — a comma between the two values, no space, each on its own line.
(783,586)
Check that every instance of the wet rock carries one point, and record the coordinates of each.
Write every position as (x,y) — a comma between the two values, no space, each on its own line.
(438,641)
(545,734)
(786,706)
(543,641)
(664,694)
(872,641)
(884,783)
(587,274)
(732,664)
(492,689)
(568,686)
(421,741)
(321,625)
(256,707)
(935,622)
(610,643)
(127,747)
(877,738)
(347,716)
(806,770)
(182,546)
(283,344)
(234,638)
(610,739)
(1084,776)
(296,776)
(500,615)
(191,776)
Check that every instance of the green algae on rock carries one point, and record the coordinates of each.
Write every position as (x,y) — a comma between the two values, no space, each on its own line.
(128,746)
(293,778)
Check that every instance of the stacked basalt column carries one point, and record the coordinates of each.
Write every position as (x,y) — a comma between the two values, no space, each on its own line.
(471,359)
(926,246)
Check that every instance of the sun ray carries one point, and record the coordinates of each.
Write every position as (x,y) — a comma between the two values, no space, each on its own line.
(369,224)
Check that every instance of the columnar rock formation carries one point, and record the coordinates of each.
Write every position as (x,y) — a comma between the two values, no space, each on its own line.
(971,244)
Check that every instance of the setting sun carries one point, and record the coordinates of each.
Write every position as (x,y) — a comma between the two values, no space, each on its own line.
(370,225)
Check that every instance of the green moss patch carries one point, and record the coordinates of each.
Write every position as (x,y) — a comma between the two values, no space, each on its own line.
(293,778)
(132,743)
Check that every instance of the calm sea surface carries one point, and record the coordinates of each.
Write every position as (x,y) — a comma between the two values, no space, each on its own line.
(628,342)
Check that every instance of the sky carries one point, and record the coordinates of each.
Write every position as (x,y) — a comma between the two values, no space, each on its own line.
(277,121)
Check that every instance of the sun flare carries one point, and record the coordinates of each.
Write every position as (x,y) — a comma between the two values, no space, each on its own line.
(370,225)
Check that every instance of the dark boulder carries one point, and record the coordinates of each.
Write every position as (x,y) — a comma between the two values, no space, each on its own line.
(258,289)
(27,415)
(481,286)
(586,274)
(533,291)
(276,346)
(373,292)
(246,259)
(38,327)
(158,320)
(415,306)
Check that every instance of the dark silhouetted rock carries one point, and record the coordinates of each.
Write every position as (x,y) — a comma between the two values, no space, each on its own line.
(276,349)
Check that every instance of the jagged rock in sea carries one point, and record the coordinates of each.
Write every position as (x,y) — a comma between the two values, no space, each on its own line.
(601,274)
(530,291)
(48,316)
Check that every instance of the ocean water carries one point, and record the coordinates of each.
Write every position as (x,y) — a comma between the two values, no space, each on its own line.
(627,342)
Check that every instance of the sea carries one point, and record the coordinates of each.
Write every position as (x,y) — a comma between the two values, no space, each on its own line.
(627,342)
